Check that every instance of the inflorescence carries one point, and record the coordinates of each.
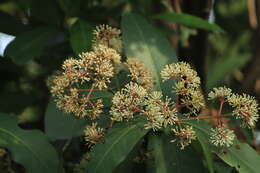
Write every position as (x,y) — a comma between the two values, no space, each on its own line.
(75,86)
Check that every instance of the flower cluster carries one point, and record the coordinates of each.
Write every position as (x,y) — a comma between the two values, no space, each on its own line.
(159,113)
(186,87)
(184,135)
(245,108)
(93,134)
(93,70)
(127,102)
(221,136)
(139,73)
(108,36)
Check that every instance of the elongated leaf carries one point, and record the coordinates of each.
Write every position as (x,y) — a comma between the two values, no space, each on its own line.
(29,44)
(228,66)
(81,36)
(163,162)
(118,143)
(144,41)
(206,151)
(29,148)
(243,158)
(62,126)
(168,157)
(189,20)
(240,155)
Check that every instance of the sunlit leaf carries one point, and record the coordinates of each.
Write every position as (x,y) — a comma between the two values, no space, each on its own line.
(143,41)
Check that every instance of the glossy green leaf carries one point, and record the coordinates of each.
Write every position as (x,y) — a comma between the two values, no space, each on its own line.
(168,157)
(30,148)
(240,155)
(29,44)
(189,20)
(143,41)
(118,143)
(59,125)
(81,34)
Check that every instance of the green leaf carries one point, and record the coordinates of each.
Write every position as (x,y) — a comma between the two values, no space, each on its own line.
(59,125)
(168,157)
(206,151)
(81,34)
(30,148)
(29,44)
(228,66)
(160,146)
(189,20)
(145,42)
(118,143)
(240,155)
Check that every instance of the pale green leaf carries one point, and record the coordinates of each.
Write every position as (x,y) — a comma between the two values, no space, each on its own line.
(143,41)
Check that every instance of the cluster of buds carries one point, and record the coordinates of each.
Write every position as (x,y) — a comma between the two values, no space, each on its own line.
(162,112)
(245,108)
(93,71)
(73,88)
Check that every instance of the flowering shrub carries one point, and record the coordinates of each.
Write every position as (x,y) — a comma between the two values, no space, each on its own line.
(136,98)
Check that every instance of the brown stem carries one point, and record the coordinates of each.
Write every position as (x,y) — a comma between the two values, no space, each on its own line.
(90,92)
(136,109)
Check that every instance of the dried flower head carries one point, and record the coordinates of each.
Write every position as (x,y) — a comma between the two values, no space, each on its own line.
(93,134)
(181,72)
(98,69)
(126,101)
(184,136)
(222,137)
(80,106)
(140,73)
(107,53)
(245,108)
(220,93)
(108,36)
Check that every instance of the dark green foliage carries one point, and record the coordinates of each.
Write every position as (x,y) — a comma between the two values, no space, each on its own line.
(49,31)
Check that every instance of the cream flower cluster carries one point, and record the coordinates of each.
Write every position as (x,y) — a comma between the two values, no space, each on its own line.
(186,87)
(244,107)
(94,71)
(93,134)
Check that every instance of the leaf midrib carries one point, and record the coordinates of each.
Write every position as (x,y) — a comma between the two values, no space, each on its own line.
(114,143)
(149,51)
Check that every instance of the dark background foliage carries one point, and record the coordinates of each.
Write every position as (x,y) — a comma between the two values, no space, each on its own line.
(49,31)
